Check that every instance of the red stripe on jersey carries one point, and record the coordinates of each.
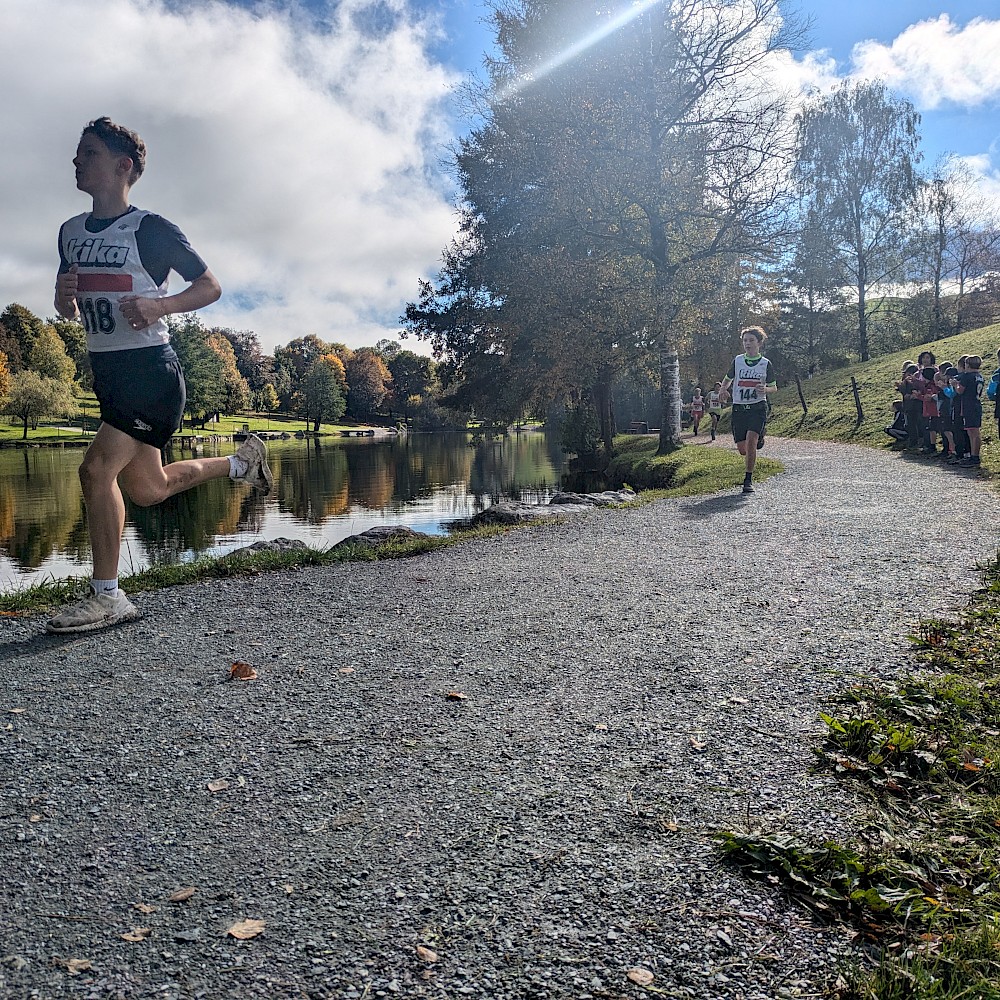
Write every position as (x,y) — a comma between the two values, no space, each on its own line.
(749,382)
(104,282)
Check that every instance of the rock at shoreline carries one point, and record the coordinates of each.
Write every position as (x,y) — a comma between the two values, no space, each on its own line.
(273,545)
(382,533)
(609,498)
(562,504)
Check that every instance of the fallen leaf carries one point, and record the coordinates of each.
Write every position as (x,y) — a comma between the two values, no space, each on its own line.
(456,696)
(17,711)
(219,785)
(426,955)
(35,818)
(739,701)
(246,929)
(698,744)
(601,727)
(137,934)
(242,671)
(346,670)
(145,908)
(669,826)
(641,977)
(74,966)
(181,894)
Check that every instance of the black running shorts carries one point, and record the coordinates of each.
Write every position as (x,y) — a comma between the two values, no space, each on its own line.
(972,413)
(747,418)
(141,392)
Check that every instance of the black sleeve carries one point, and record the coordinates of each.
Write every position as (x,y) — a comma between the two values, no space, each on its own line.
(770,377)
(63,262)
(164,248)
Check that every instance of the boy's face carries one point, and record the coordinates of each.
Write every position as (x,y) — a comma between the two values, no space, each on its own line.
(751,345)
(97,168)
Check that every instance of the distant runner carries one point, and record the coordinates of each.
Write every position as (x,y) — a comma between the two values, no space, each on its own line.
(715,406)
(113,268)
(751,377)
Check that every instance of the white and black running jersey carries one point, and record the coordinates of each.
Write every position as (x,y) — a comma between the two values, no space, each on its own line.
(748,377)
(111,267)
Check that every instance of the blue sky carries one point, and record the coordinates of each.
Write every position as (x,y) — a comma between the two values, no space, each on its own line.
(304,155)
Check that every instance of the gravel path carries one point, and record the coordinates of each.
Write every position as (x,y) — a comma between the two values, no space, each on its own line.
(629,687)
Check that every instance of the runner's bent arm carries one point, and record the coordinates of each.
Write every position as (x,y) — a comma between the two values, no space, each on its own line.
(203,291)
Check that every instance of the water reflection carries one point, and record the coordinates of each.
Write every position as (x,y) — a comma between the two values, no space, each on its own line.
(324,492)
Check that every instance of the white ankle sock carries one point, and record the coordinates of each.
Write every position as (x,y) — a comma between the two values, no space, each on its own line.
(237,467)
(109,587)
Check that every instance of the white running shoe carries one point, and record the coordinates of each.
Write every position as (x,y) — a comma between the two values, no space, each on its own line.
(93,612)
(253,453)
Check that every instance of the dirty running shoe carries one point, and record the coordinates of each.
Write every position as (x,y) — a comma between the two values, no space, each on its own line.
(747,486)
(93,612)
(253,454)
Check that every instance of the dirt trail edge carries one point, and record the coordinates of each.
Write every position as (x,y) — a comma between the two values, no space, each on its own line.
(491,771)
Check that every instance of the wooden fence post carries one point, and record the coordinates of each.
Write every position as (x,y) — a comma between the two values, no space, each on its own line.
(802,398)
(857,399)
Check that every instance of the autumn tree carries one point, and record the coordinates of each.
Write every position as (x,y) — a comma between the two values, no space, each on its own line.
(5,376)
(74,338)
(856,172)
(237,392)
(33,396)
(48,355)
(321,393)
(368,382)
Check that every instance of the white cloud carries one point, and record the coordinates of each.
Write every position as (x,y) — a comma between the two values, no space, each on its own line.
(935,62)
(302,160)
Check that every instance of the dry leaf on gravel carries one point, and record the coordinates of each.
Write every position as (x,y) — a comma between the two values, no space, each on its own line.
(425,954)
(698,744)
(74,966)
(137,934)
(601,727)
(641,977)
(219,785)
(346,670)
(145,908)
(242,671)
(17,711)
(246,929)
(181,894)
(35,818)
(456,696)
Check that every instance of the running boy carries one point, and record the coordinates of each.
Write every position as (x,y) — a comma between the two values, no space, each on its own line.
(752,378)
(715,406)
(113,269)
(697,409)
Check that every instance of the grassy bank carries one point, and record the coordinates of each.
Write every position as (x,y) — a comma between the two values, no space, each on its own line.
(693,470)
(832,414)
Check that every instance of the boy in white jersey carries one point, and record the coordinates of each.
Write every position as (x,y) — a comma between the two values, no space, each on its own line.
(752,378)
(114,263)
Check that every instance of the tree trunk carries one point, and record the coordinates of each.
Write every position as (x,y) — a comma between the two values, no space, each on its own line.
(670,400)
(602,401)
(24,436)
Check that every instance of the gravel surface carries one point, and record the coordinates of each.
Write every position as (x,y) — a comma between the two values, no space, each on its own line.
(628,684)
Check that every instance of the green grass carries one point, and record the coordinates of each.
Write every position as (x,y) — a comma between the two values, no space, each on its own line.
(832,414)
(922,886)
(70,431)
(692,470)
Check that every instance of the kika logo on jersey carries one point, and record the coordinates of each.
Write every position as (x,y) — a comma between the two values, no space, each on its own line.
(94,252)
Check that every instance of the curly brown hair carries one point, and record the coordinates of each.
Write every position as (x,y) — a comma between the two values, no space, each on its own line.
(756,331)
(121,141)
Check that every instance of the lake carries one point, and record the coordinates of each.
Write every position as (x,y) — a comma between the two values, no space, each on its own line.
(323,491)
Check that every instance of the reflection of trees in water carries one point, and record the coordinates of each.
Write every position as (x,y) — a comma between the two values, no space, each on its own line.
(312,482)
(41,506)
(191,521)
(519,466)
